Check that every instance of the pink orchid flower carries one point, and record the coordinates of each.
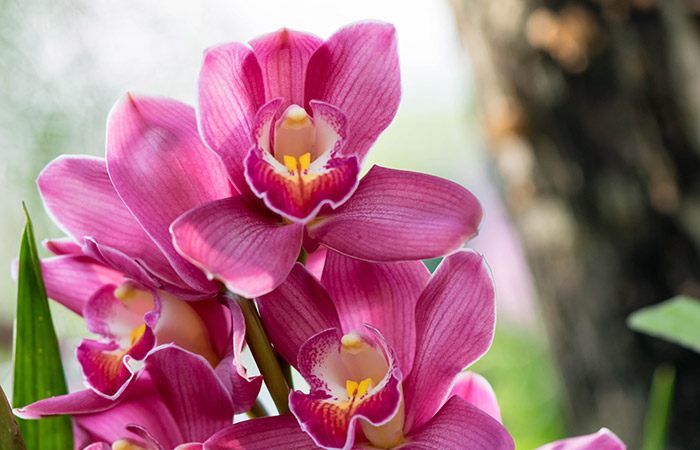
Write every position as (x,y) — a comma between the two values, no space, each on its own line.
(119,269)
(176,401)
(379,346)
(292,117)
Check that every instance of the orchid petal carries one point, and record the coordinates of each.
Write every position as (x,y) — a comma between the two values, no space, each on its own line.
(143,433)
(460,292)
(283,56)
(217,322)
(105,365)
(249,252)
(200,404)
(262,434)
(476,390)
(231,90)
(120,262)
(460,425)
(62,246)
(298,309)
(160,168)
(98,446)
(326,413)
(81,402)
(244,389)
(72,279)
(316,261)
(604,439)
(80,198)
(142,405)
(381,295)
(357,70)
(396,215)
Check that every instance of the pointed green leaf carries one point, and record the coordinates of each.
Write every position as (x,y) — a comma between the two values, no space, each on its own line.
(10,438)
(38,370)
(676,320)
(658,408)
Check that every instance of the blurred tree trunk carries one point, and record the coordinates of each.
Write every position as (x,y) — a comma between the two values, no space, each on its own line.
(592,114)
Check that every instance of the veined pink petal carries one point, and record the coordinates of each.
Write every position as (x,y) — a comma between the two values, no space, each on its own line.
(476,390)
(231,90)
(604,439)
(217,322)
(62,246)
(98,446)
(298,309)
(396,215)
(251,253)
(142,432)
(283,56)
(316,261)
(120,262)
(278,432)
(460,292)
(142,405)
(80,198)
(200,404)
(72,279)
(460,425)
(190,446)
(161,169)
(327,413)
(244,389)
(357,70)
(381,295)
(81,402)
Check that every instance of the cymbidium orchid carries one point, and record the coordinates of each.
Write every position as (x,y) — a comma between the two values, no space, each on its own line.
(119,269)
(292,117)
(177,401)
(379,346)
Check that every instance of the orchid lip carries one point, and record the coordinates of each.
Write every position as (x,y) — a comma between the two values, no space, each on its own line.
(295,165)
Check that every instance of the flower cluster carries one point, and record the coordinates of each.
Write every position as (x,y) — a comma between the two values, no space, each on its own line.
(246,220)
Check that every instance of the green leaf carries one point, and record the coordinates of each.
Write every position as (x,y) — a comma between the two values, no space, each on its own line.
(676,320)
(658,408)
(10,439)
(38,369)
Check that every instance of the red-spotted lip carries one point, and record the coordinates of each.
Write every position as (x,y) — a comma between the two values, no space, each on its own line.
(322,414)
(330,180)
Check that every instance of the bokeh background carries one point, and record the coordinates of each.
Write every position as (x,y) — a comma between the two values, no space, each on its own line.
(469,72)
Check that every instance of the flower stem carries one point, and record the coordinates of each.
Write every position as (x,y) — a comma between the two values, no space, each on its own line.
(258,410)
(302,256)
(264,355)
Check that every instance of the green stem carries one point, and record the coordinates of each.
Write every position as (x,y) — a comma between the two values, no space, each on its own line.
(286,370)
(264,355)
(302,256)
(258,410)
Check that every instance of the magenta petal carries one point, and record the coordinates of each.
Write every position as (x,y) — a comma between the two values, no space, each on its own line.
(298,309)
(249,252)
(279,432)
(142,405)
(357,70)
(79,196)
(98,446)
(396,215)
(455,317)
(460,425)
(476,390)
(81,402)
(604,439)
(381,295)
(200,404)
(283,56)
(160,168)
(72,279)
(244,389)
(231,90)
(62,246)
